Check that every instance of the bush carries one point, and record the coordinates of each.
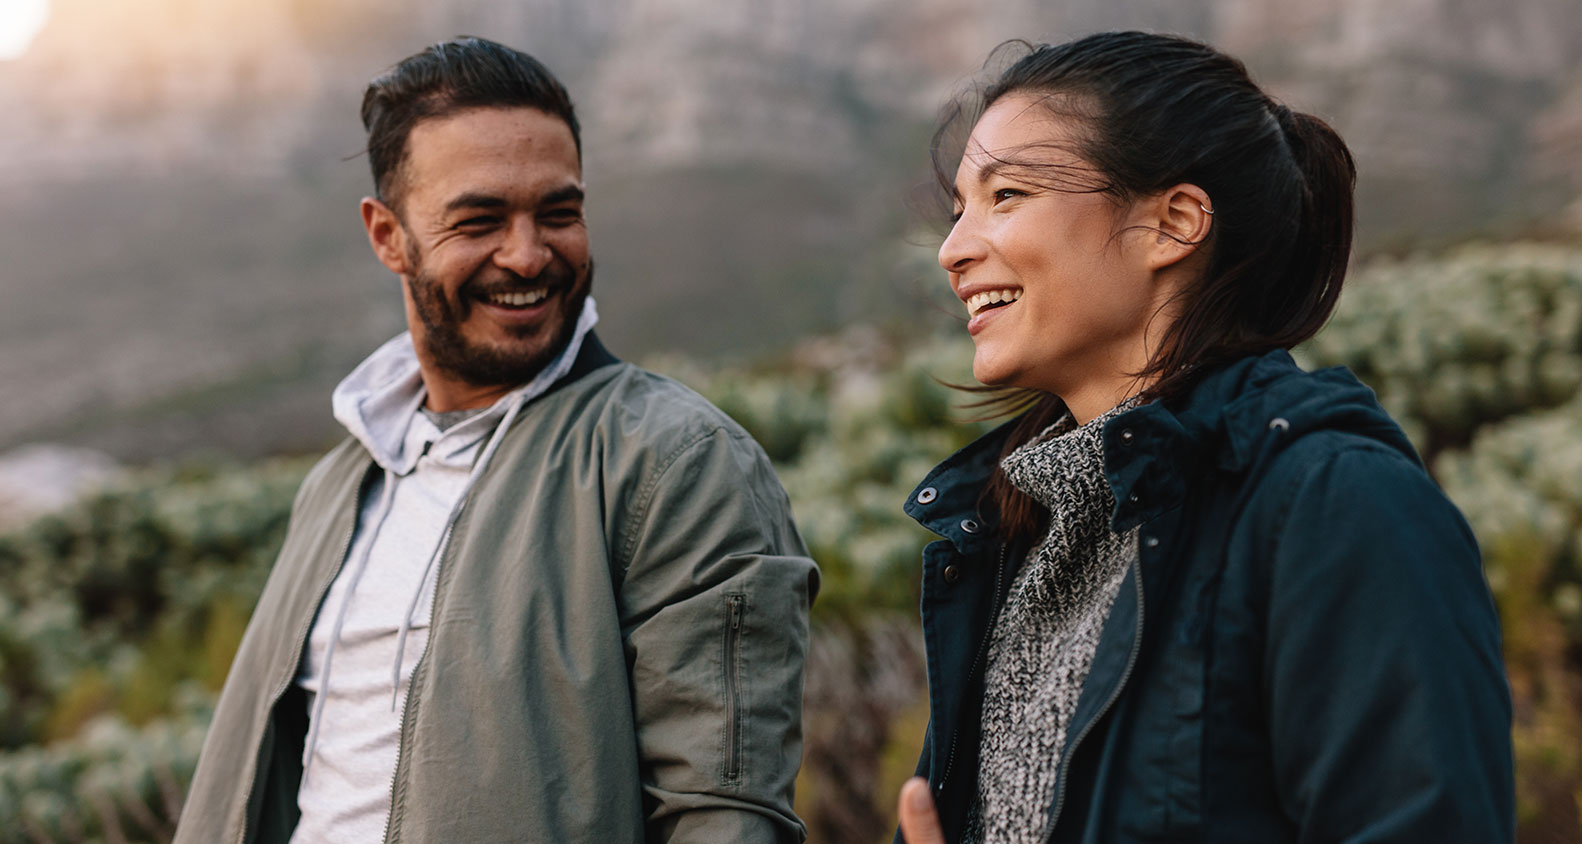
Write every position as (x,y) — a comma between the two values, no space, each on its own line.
(122,614)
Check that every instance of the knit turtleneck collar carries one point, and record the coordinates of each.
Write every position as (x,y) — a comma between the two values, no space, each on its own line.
(1045,466)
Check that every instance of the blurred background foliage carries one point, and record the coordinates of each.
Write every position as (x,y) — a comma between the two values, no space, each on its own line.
(121,613)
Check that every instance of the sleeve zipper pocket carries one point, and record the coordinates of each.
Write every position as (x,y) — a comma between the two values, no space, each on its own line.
(731,770)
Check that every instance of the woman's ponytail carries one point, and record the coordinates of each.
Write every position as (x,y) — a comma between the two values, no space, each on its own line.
(1322,248)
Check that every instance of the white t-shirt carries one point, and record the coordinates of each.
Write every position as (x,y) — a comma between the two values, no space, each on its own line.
(345,796)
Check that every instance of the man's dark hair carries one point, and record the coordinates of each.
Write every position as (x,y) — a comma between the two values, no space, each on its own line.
(448,77)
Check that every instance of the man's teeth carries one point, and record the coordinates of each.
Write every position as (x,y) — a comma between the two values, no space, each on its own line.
(978,301)
(519,298)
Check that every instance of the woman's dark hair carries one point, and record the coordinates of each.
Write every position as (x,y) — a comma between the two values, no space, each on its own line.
(448,77)
(1157,111)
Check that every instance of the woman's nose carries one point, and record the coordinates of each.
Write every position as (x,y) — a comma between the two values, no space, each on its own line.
(961,247)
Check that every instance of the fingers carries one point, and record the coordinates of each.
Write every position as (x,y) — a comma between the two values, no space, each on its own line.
(919,821)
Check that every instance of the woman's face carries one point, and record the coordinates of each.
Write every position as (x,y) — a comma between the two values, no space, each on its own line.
(1054,276)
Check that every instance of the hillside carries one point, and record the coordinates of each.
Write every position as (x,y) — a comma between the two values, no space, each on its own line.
(182,268)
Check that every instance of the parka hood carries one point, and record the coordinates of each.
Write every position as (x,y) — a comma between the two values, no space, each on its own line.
(1233,417)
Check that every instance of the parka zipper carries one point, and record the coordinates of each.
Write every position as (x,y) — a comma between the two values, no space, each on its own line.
(735,605)
(983,648)
(1071,748)
(296,659)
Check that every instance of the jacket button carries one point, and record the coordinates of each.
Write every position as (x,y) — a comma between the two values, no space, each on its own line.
(1152,542)
(1127,436)
(926,495)
(952,574)
(968,525)
(1131,498)
(1279,423)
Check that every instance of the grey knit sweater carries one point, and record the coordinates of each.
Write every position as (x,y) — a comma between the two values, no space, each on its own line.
(1043,642)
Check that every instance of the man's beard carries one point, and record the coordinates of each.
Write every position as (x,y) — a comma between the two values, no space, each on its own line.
(480,364)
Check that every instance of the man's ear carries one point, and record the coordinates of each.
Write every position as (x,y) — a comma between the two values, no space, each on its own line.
(1183,217)
(386,235)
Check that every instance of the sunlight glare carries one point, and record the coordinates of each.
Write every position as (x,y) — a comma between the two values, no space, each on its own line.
(20,23)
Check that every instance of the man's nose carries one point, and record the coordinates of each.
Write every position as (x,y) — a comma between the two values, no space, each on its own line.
(524,250)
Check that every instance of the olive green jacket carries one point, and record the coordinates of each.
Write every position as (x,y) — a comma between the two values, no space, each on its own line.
(616,650)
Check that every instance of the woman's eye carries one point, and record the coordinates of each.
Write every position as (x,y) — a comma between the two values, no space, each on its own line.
(1006,193)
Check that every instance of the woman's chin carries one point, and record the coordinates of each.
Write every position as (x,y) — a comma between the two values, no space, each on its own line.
(992,372)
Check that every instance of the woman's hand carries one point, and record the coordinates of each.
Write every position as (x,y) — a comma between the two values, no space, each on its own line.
(919,821)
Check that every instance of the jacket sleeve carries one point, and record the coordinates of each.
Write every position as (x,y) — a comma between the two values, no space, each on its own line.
(1389,711)
(715,592)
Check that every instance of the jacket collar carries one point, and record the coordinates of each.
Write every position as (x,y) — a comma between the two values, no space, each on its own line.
(946,502)
(1234,416)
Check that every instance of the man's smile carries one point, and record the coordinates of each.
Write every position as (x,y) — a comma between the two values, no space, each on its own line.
(517,298)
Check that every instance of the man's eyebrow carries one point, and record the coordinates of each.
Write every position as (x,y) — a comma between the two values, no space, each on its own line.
(475,200)
(569,193)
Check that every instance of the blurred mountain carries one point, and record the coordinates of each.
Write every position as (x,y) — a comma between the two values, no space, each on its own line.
(182,267)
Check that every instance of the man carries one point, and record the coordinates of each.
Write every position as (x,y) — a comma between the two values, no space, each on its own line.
(539,594)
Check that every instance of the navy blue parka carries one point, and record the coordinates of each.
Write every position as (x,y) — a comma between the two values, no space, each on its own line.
(1306,650)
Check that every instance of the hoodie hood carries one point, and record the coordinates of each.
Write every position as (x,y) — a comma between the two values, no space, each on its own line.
(379,399)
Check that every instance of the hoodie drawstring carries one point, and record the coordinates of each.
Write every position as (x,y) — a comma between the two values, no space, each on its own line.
(450,522)
(386,499)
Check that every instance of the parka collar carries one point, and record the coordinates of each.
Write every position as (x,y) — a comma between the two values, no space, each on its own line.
(946,502)
(1233,416)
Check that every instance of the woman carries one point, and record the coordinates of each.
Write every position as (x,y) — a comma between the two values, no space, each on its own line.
(1192,593)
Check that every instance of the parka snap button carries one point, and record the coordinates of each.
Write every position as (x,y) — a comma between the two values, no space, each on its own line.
(952,574)
(1279,423)
(926,495)
(1132,498)
(969,525)
(1127,436)
(1152,542)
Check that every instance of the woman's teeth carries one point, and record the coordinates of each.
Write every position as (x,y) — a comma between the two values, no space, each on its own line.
(977,302)
(518,298)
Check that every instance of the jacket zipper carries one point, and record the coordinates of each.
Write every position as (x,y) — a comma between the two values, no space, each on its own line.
(411,689)
(733,643)
(983,648)
(296,659)
(1071,748)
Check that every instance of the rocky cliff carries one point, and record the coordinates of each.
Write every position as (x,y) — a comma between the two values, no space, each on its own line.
(182,261)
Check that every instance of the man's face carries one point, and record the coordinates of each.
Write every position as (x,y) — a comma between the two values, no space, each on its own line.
(492,248)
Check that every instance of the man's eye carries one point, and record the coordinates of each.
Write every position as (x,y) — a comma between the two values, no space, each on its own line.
(562,216)
(477,222)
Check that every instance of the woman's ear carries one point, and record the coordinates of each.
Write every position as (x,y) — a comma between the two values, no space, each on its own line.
(1183,217)
(386,235)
